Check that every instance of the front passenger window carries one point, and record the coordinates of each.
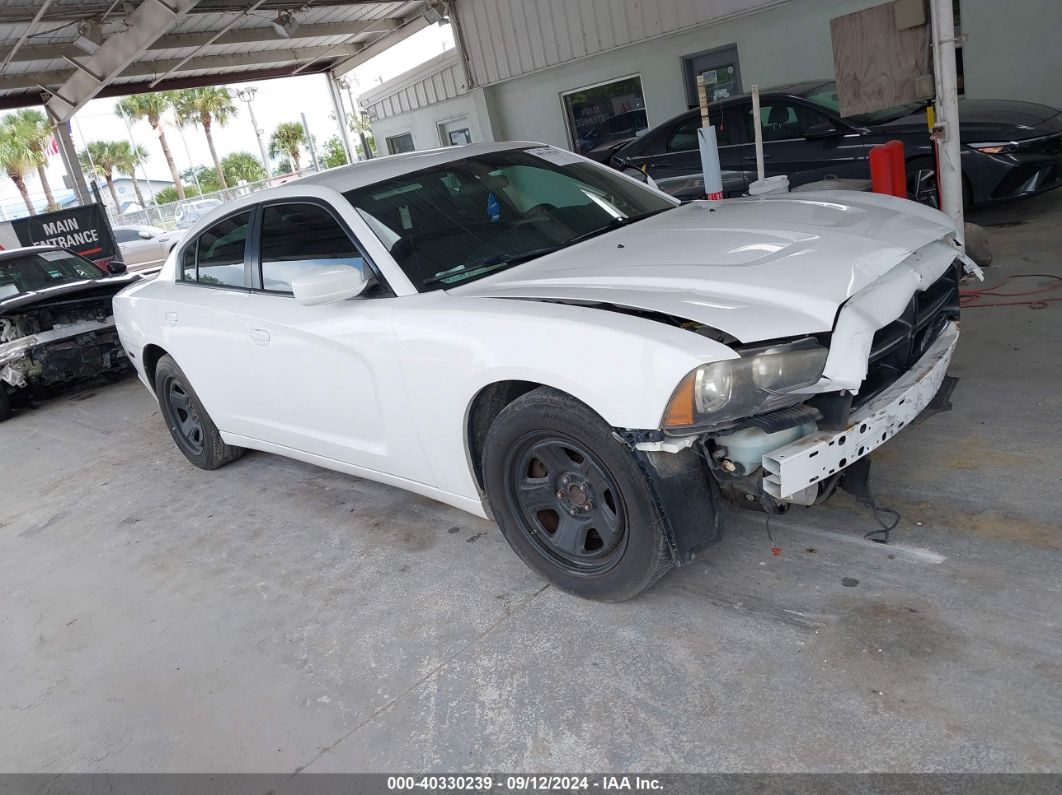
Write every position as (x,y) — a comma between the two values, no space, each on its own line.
(297,238)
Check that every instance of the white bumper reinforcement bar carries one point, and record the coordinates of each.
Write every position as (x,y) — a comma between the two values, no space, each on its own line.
(794,471)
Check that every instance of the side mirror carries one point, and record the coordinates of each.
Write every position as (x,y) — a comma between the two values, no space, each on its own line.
(822,129)
(145,235)
(116,267)
(329,285)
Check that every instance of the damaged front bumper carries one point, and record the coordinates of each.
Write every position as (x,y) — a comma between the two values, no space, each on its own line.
(793,472)
(687,481)
(82,350)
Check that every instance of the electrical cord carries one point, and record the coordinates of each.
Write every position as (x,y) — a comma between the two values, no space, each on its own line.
(972,299)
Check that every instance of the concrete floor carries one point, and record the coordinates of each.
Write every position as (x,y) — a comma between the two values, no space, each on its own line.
(276,617)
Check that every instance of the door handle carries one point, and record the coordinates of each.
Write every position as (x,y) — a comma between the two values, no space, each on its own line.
(753,157)
(171,318)
(260,336)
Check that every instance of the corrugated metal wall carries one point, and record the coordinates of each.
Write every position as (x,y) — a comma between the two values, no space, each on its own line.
(444,82)
(509,38)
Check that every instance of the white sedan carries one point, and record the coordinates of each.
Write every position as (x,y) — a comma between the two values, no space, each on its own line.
(527,335)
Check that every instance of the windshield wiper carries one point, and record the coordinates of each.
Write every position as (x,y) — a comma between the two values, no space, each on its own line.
(492,263)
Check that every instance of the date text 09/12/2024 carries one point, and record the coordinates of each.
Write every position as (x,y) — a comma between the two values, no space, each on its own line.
(523,783)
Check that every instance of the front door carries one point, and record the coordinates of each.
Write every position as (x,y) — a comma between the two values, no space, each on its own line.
(328,379)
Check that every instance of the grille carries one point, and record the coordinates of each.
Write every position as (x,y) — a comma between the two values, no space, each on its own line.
(900,344)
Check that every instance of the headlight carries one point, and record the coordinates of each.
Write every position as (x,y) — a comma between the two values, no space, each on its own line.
(1000,148)
(764,378)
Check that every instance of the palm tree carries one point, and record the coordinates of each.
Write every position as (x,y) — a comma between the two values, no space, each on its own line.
(36,131)
(16,159)
(286,140)
(102,158)
(151,107)
(129,157)
(204,106)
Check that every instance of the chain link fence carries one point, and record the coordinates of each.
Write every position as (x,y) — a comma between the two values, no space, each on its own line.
(170,216)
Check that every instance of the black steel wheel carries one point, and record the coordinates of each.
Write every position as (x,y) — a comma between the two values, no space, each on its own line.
(192,429)
(567,502)
(186,416)
(570,499)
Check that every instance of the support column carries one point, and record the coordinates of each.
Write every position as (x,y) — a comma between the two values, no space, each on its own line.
(69,157)
(341,117)
(946,132)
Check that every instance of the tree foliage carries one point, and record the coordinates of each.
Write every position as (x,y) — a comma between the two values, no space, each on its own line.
(242,167)
(287,140)
(333,154)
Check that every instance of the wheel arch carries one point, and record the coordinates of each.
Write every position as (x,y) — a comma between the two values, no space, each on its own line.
(150,359)
(482,410)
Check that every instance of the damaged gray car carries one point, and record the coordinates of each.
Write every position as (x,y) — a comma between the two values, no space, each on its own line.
(56,321)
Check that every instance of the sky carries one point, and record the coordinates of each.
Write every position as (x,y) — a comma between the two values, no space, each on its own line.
(276,101)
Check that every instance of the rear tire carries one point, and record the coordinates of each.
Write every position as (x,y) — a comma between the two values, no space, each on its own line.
(5,403)
(570,499)
(194,433)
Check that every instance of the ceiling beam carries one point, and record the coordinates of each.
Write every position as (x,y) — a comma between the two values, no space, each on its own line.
(147,22)
(15,14)
(409,26)
(33,97)
(301,56)
(11,52)
(172,41)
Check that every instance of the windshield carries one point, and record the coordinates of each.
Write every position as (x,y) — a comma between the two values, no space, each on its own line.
(463,220)
(825,96)
(37,271)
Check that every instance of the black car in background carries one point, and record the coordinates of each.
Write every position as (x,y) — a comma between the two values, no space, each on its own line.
(1009,149)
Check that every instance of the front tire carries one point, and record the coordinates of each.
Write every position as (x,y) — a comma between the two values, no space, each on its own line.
(924,190)
(192,430)
(570,499)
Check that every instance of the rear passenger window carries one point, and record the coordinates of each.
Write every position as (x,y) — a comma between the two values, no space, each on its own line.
(297,238)
(220,252)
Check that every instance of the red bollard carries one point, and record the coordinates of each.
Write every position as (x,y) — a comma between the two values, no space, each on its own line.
(881,170)
(899,169)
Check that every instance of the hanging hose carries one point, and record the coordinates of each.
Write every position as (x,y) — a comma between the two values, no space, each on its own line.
(973,298)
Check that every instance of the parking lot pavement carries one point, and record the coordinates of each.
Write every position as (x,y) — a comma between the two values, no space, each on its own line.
(272,616)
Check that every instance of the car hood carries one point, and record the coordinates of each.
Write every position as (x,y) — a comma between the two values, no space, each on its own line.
(988,120)
(757,269)
(75,291)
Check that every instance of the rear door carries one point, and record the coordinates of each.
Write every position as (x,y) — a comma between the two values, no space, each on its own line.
(677,154)
(202,320)
(796,142)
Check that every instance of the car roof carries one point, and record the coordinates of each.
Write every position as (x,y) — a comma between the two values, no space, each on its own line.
(787,89)
(9,253)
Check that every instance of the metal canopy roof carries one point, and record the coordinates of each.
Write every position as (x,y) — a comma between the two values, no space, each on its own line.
(154,45)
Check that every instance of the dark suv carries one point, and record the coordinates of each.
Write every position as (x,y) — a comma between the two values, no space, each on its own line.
(1010,149)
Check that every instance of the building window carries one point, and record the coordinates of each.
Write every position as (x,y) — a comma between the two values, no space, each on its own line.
(605,113)
(397,144)
(460,137)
